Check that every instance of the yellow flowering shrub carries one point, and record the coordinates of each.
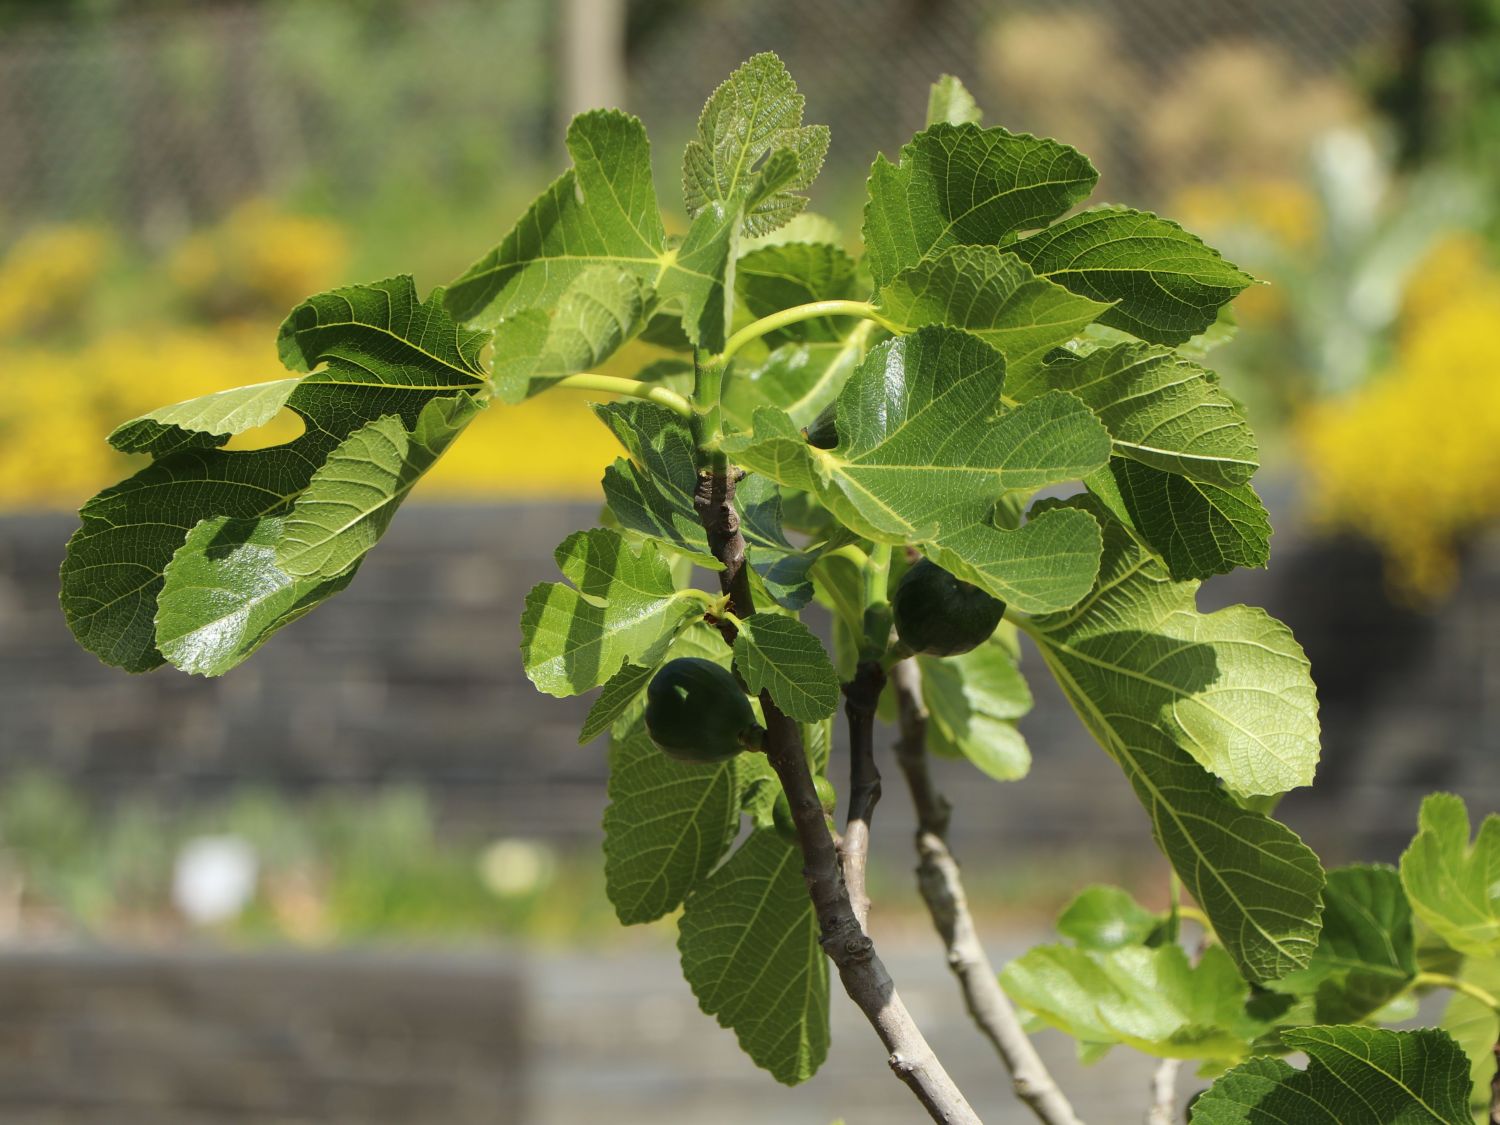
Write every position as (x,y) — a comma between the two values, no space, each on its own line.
(58,400)
(1411,460)
(1284,209)
(47,275)
(258,261)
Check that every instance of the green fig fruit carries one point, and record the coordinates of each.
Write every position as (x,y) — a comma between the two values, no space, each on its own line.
(697,712)
(941,615)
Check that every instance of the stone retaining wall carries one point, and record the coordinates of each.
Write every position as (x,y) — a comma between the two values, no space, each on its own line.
(114,1038)
(413,675)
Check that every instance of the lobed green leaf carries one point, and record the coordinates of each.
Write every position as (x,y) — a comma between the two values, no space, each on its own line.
(1164,284)
(1366,954)
(749,943)
(350,501)
(1455,887)
(205,422)
(994,295)
(780,655)
(963,185)
(602,212)
(1152,999)
(621,607)
(1475,1026)
(1354,1076)
(1172,694)
(667,825)
(927,452)
(1105,918)
(948,101)
(1160,409)
(1197,530)
(973,702)
(373,351)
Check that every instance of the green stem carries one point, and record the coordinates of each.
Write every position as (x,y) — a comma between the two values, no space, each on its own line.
(1473,991)
(614,385)
(708,394)
(851,552)
(799,313)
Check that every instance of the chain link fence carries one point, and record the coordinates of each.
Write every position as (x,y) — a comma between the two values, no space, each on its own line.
(156,122)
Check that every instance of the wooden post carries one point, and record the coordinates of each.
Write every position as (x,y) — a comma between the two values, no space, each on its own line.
(593,55)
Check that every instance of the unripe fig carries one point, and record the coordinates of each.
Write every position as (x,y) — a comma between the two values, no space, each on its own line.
(941,615)
(781,810)
(823,433)
(697,712)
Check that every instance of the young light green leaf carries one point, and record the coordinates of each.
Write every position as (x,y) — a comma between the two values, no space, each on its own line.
(621,607)
(1366,954)
(1160,410)
(755,111)
(1354,1076)
(223,594)
(1166,286)
(1455,887)
(779,277)
(963,185)
(1475,1026)
(972,702)
(1104,918)
(997,297)
(351,499)
(1197,530)
(780,655)
(204,422)
(749,944)
(667,825)
(994,747)
(378,351)
(1170,693)
(948,102)
(601,308)
(1152,999)
(926,453)
(601,212)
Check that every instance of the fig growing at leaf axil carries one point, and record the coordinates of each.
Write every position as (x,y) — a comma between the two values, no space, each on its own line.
(823,433)
(941,615)
(697,712)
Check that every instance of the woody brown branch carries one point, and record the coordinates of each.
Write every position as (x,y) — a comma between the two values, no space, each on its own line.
(942,890)
(842,935)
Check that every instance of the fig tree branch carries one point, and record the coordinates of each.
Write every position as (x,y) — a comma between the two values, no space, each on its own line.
(942,890)
(861,697)
(1495,1090)
(842,937)
(1164,1092)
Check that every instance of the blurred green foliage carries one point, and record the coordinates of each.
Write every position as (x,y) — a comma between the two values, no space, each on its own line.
(349,866)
